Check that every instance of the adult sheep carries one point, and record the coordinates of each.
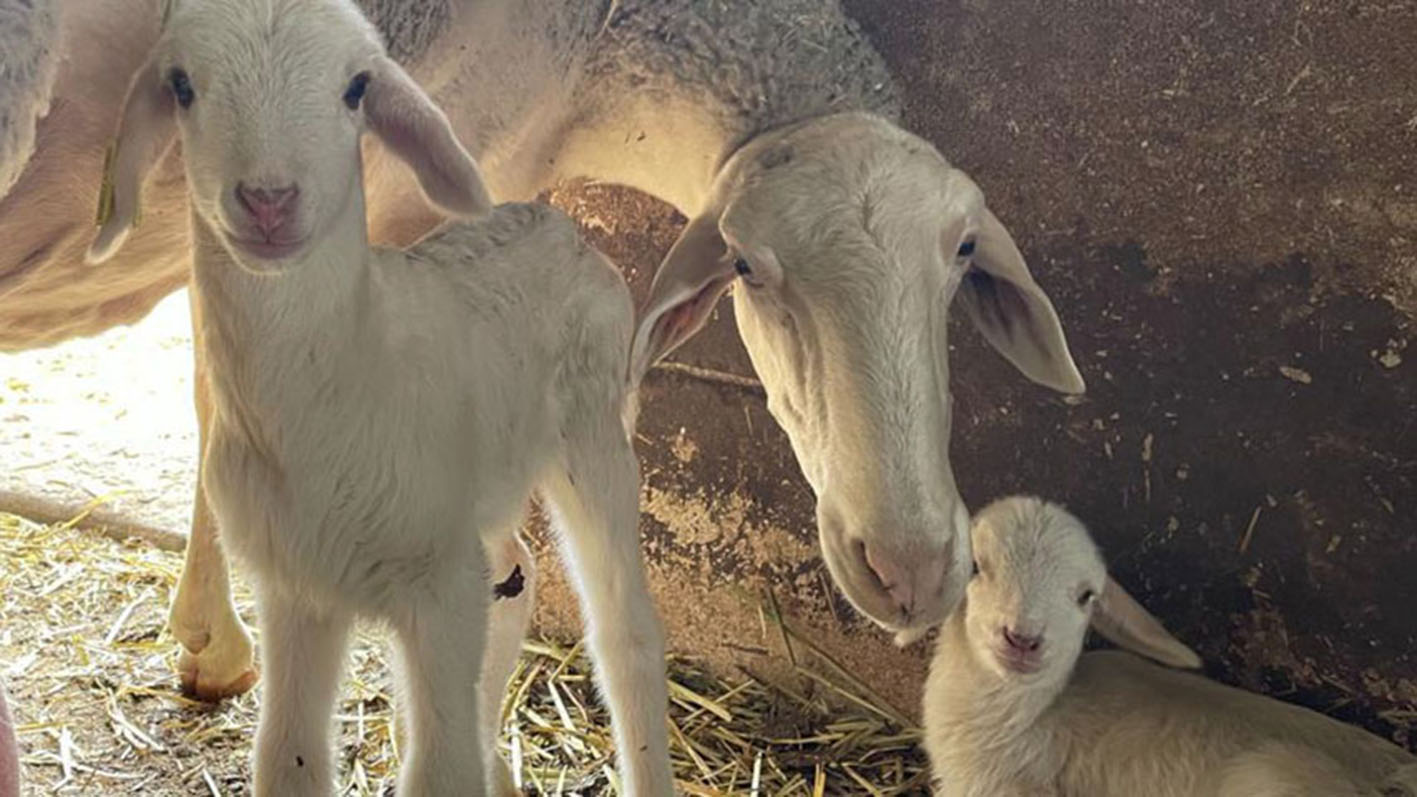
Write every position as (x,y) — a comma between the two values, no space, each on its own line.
(771,125)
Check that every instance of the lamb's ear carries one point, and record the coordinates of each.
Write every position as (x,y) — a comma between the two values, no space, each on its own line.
(694,275)
(1012,311)
(418,132)
(145,131)
(1118,617)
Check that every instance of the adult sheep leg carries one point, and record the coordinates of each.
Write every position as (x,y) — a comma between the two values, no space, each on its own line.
(217,655)
(513,572)
(595,501)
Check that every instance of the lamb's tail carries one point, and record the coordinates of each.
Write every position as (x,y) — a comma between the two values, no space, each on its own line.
(29,49)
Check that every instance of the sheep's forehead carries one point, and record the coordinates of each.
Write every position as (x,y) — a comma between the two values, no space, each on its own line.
(261,39)
(840,206)
(1037,542)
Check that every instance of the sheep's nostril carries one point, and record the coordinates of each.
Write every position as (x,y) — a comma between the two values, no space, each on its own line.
(1024,643)
(895,579)
(269,208)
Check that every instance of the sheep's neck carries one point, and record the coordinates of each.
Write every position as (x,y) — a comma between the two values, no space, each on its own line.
(986,709)
(268,336)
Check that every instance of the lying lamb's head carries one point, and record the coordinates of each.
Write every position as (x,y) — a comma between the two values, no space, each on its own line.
(1038,582)
(270,98)
(849,238)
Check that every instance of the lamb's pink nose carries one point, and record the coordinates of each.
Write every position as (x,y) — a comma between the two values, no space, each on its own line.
(269,208)
(907,579)
(1023,643)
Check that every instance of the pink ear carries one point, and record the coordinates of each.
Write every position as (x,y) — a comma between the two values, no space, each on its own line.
(145,130)
(687,286)
(417,131)
(1119,618)
(1013,312)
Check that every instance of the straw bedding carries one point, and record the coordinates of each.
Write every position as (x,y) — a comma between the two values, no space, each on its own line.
(88,663)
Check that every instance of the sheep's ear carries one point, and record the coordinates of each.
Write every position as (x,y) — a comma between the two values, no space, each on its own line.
(1119,618)
(1012,311)
(145,131)
(694,275)
(418,132)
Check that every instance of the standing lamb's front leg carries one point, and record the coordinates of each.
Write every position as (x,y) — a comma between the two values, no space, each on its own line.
(596,501)
(442,633)
(217,658)
(302,650)
(513,570)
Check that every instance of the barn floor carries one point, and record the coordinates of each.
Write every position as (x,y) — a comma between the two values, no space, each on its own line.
(88,666)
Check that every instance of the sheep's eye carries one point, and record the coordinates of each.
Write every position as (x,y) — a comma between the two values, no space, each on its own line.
(741,266)
(967,248)
(1086,598)
(181,87)
(355,92)
(976,569)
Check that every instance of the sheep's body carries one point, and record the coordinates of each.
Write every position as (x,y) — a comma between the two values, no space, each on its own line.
(399,423)
(29,53)
(1121,726)
(539,92)
(379,418)
(1125,726)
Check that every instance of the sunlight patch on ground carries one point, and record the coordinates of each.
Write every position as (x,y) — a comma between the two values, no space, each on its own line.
(106,417)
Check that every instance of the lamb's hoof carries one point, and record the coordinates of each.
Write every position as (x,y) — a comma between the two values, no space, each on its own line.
(204,679)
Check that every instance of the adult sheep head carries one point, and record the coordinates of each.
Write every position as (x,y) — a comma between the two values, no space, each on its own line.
(850,238)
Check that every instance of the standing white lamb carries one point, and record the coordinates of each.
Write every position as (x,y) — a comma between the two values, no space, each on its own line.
(379,415)
(1007,714)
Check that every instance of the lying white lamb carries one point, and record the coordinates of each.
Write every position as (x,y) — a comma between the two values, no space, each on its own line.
(382,415)
(1007,714)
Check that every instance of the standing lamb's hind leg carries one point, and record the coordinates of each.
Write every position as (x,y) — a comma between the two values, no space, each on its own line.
(217,656)
(441,633)
(596,504)
(302,648)
(513,572)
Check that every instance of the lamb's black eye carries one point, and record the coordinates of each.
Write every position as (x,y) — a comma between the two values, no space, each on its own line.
(181,87)
(976,569)
(355,92)
(1087,596)
(741,266)
(967,248)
